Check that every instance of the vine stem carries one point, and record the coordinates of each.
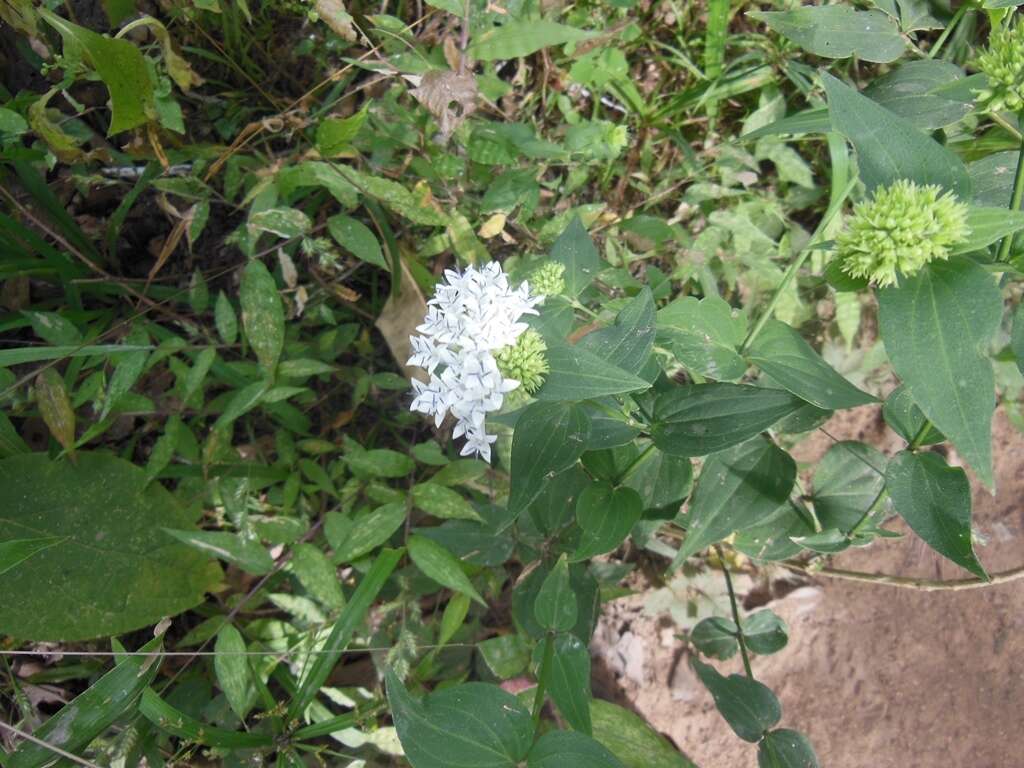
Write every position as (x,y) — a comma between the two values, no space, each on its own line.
(634,465)
(794,267)
(948,30)
(907,582)
(735,614)
(875,505)
(1015,201)
(542,678)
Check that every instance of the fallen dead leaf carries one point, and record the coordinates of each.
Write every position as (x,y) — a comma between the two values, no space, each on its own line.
(449,96)
(398,321)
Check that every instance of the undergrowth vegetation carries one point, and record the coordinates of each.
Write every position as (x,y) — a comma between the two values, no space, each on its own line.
(354,356)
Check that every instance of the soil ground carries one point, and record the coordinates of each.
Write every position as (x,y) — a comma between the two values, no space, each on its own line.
(877,676)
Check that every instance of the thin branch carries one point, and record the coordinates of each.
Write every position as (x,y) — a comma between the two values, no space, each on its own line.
(908,582)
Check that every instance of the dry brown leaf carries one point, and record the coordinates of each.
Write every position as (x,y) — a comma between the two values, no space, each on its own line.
(337,17)
(493,226)
(398,320)
(449,96)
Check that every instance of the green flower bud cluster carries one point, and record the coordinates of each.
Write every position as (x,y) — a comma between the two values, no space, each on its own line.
(1003,65)
(899,230)
(548,279)
(525,361)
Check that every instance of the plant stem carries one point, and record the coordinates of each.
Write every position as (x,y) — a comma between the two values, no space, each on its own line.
(735,614)
(634,465)
(879,499)
(948,30)
(798,262)
(542,677)
(1015,201)
(924,585)
(920,436)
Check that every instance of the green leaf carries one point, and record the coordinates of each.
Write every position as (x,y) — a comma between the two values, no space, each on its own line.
(284,222)
(568,680)
(11,443)
(334,135)
(381,462)
(232,668)
(606,515)
(453,617)
(351,617)
(628,343)
(578,374)
(262,314)
(17,551)
(225,319)
(935,326)
(177,723)
(354,537)
(715,637)
(570,749)
(412,206)
(55,407)
(906,419)
(631,739)
(838,31)
(748,706)
(11,123)
(548,439)
(247,554)
(472,725)
(120,66)
(358,239)
(523,37)
(577,252)
(505,655)
(783,354)
(765,632)
(889,147)
(317,575)
(442,502)
(847,480)
(555,607)
(1017,337)
(698,419)
(704,335)
(93,711)
(736,488)
(785,748)
(660,479)
(119,571)
(987,226)
(127,371)
(9,357)
(442,566)
(935,501)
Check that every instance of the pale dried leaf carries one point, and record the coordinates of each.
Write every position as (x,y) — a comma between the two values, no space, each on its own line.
(493,226)
(449,96)
(55,408)
(398,320)
(335,15)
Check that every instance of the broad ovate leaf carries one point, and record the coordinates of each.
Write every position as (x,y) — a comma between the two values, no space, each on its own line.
(119,571)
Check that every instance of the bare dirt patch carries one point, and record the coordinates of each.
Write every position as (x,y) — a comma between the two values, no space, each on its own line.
(876,676)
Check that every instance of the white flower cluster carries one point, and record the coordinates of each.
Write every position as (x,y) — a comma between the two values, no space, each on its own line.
(472,315)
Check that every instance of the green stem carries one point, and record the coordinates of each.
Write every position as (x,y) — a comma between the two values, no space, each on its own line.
(542,677)
(735,614)
(634,465)
(948,30)
(875,506)
(1015,201)
(794,267)
(915,443)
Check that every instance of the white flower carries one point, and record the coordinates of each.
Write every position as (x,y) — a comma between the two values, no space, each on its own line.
(472,315)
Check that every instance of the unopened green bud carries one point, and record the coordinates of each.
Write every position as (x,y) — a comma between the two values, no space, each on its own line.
(548,279)
(525,361)
(899,230)
(1003,66)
